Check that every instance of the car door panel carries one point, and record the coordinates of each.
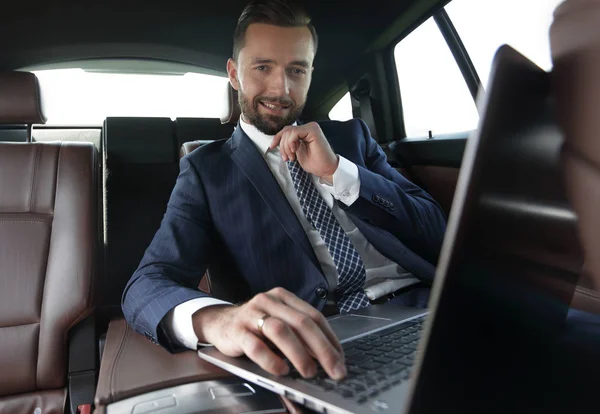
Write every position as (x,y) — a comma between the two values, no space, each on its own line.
(433,164)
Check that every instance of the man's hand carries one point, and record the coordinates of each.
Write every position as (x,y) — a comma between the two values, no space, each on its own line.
(298,331)
(307,144)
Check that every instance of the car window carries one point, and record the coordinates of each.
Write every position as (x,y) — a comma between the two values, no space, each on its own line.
(342,111)
(434,94)
(78,97)
(484,26)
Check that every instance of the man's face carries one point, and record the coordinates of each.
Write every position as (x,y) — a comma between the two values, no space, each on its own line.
(272,75)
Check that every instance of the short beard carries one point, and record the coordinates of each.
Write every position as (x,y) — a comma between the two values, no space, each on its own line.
(267,124)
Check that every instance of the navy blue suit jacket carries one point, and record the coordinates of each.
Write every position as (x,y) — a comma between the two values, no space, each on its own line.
(226,192)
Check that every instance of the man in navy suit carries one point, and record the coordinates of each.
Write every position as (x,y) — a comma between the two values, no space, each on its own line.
(311,214)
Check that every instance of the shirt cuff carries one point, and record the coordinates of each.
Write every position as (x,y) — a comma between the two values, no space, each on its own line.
(178,321)
(346,182)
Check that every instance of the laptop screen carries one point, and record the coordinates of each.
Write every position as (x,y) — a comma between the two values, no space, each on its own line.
(510,261)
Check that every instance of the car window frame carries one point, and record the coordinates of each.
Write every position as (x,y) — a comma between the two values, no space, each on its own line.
(458,51)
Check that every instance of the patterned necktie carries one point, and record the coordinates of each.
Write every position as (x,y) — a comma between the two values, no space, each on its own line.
(349,265)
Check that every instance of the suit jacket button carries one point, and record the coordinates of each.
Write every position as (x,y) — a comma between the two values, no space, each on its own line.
(376,198)
(321,293)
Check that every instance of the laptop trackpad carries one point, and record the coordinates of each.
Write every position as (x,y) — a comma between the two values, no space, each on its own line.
(348,326)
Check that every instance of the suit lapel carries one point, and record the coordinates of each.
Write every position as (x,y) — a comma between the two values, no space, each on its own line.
(253,165)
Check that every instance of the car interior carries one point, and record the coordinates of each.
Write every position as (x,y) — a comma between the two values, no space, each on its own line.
(79,203)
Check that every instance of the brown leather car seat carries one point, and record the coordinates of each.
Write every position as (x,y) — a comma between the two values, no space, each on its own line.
(575,44)
(48,230)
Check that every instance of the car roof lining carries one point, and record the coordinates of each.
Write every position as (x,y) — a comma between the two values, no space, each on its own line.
(194,34)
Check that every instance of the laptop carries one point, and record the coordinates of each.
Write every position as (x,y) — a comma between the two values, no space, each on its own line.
(371,370)
(507,271)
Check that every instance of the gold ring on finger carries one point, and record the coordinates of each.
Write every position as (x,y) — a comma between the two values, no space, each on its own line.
(260,323)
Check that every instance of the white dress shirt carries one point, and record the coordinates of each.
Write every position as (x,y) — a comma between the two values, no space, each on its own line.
(382,275)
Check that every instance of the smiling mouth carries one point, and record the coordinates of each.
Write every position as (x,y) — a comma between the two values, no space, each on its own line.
(274,106)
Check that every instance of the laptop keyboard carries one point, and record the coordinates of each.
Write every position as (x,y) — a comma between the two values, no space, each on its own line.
(374,363)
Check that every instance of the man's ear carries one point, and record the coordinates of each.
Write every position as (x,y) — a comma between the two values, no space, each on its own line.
(233,74)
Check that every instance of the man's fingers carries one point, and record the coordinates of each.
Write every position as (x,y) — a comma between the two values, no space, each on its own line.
(301,132)
(284,146)
(282,336)
(292,142)
(314,338)
(293,301)
(312,335)
(276,139)
(279,333)
(259,352)
(294,146)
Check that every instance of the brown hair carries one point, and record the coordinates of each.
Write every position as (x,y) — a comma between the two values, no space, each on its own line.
(274,12)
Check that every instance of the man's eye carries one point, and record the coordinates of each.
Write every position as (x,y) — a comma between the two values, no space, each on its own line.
(298,71)
(261,67)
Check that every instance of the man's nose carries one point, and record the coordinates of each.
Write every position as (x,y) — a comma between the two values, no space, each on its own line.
(279,83)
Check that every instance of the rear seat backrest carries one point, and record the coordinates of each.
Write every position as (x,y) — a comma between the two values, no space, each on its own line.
(142,166)
(201,129)
(190,146)
(140,141)
(198,133)
(48,241)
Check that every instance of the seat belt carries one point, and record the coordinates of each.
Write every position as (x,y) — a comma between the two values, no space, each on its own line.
(82,366)
(362,93)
